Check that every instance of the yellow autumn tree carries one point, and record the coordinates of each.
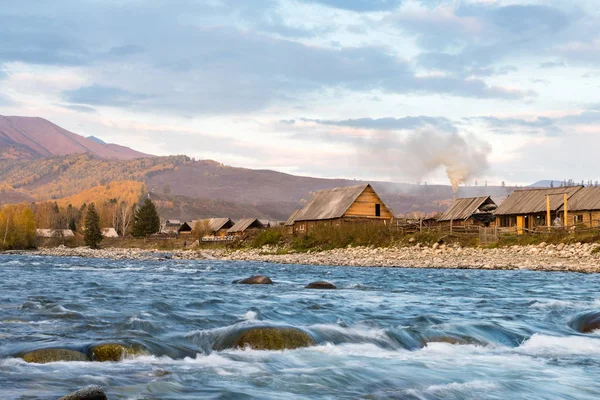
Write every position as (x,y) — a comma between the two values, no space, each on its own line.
(17,227)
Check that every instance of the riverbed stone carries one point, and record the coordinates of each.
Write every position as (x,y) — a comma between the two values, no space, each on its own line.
(586,323)
(87,393)
(44,356)
(320,285)
(274,338)
(257,280)
(113,352)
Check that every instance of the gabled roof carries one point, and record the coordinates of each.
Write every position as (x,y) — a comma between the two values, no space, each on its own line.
(462,209)
(244,224)
(173,222)
(532,201)
(586,199)
(330,203)
(290,221)
(214,224)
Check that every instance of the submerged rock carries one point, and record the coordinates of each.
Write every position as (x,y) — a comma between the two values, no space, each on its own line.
(273,338)
(320,285)
(87,393)
(586,323)
(113,352)
(256,280)
(265,338)
(44,356)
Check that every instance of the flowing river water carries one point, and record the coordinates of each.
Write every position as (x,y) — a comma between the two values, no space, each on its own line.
(383,334)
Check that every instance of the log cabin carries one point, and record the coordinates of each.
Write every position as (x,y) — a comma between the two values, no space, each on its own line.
(526,209)
(245,227)
(334,207)
(471,211)
(584,208)
(213,226)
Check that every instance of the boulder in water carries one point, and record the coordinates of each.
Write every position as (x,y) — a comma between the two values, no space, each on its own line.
(266,338)
(256,280)
(320,285)
(44,356)
(586,323)
(87,393)
(113,352)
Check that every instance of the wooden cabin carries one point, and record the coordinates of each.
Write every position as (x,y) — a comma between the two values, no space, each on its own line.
(583,208)
(185,229)
(170,226)
(526,209)
(213,226)
(245,227)
(335,207)
(289,224)
(472,211)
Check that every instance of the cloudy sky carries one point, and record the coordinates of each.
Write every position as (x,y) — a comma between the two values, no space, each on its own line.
(377,89)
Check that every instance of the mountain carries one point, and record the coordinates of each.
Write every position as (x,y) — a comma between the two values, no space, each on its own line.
(546,184)
(32,138)
(186,189)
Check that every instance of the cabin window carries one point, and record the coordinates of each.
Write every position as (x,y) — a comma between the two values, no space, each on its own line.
(578,219)
(378,210)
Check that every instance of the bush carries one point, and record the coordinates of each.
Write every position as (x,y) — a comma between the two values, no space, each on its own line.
(267,237)
(350,234)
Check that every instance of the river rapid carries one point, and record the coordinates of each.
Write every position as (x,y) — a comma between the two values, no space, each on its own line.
(385,333)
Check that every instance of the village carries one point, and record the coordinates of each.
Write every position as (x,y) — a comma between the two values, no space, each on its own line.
(526,211)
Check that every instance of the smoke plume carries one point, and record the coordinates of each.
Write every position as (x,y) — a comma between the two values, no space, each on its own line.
(417,155)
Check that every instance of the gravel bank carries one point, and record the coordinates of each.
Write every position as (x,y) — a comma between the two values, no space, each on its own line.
(576,257)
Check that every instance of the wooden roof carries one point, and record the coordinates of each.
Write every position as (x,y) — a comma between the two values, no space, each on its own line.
(533,201)
(214,224)
(462,209)
(330,203)
(290,221)
(586,199)
(244,224)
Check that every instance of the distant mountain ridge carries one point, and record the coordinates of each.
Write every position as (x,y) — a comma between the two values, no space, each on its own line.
(34,137)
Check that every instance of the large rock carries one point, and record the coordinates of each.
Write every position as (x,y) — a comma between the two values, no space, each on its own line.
(586,323)
(113,352)
(256,280)
(44,356)
(87,393)
(274,338)
(320,285)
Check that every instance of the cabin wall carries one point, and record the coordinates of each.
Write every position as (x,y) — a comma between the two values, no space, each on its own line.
(590,219)
(364,206)
(304,227)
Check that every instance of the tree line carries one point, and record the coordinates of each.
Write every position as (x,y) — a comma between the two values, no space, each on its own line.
(18,223)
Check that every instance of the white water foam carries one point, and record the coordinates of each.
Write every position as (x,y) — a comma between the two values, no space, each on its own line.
(251,316)
(543,345)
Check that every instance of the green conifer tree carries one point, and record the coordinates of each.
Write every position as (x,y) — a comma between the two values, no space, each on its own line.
(92,234)
(145,221)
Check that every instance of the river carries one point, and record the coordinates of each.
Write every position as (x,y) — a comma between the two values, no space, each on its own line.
(383,334)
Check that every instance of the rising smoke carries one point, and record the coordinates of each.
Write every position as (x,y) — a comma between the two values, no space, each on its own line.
(418,154)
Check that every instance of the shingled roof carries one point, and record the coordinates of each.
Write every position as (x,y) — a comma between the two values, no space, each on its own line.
(462,209)
(586,199)
(330,203)
(532,201)
(290,221)
(244,224)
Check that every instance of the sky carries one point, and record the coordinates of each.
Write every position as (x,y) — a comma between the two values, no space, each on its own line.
(397,90)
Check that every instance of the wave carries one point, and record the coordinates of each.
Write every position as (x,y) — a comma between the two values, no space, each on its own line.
(545,345)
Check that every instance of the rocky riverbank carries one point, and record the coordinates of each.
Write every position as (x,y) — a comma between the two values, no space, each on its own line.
(575,257)
(116,253)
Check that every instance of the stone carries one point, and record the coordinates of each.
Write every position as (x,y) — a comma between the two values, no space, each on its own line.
(274,338)
(586,323)
(44,356)
(256,280)
(113,352)
(87,393)
(320,285)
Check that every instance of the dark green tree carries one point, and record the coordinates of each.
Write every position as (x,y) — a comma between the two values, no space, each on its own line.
(92,234)
(145,221)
